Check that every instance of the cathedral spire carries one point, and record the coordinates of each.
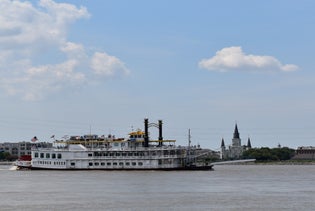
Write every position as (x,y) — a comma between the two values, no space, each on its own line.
(222,143)
(249,145)
(236,133)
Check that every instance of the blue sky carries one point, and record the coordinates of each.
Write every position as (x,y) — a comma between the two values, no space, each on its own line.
(68,67)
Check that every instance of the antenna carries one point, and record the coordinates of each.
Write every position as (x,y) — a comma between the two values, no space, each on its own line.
(189,138)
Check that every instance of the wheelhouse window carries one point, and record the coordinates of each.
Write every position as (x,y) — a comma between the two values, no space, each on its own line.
(59,156)
(47,155)
(53,155)
(41,155)
(36,154)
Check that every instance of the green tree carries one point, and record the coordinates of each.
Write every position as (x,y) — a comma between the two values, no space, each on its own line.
(267,154)
(4,155)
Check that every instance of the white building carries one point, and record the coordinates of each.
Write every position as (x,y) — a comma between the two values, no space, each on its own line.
(235,150)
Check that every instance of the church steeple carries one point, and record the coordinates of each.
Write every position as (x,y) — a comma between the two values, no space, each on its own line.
(249,145)
(236,133)
(222,143)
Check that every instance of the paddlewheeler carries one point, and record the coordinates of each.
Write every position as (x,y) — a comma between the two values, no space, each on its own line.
(136,152)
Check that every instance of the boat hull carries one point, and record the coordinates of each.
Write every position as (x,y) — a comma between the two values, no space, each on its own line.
(186,168)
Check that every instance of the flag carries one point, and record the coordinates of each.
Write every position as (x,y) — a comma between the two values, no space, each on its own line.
(65,137)
(53,136)
(34,139)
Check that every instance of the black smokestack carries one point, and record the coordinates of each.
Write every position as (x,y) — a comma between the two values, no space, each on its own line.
(160,133)
(146,133)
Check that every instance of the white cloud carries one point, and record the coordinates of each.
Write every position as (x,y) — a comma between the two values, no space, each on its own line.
(233,58)
(36,57)
(106,65)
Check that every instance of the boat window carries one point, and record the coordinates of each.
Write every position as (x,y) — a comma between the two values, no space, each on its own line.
(59,156)
(127,164)
(102,164)
(116,144)
(96,164)
(140,163)
(90,154)
(117,154)
(53,155)
(109,164)
(134,163)
(129,154)
(36,154)
(90,164)
(114,164)
(72,164)
(41,155)
(121,163)
(47,155)
(124,154)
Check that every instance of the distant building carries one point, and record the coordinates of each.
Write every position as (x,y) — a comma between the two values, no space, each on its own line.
(21,148)
(235,150)
(305,153)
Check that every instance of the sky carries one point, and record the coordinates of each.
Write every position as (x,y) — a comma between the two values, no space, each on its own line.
(76,67)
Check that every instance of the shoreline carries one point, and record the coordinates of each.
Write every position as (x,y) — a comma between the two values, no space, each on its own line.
(6,163)
(288,162)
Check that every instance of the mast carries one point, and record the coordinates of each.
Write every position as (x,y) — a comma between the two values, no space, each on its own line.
(188,150)
(189,138)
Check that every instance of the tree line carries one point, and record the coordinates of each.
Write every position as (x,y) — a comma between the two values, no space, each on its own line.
(6,156)
(267,154)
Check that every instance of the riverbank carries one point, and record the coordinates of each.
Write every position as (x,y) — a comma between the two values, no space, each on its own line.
(6,162)
(285,162)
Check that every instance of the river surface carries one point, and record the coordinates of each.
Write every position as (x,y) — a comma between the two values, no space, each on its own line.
(228,187)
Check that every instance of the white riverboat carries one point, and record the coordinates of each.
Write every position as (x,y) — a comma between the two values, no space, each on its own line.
(137,152)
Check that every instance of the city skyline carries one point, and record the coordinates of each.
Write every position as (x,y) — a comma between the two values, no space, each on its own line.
(77,67)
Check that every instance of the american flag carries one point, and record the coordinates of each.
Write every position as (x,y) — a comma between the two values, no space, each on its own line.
(34,139)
